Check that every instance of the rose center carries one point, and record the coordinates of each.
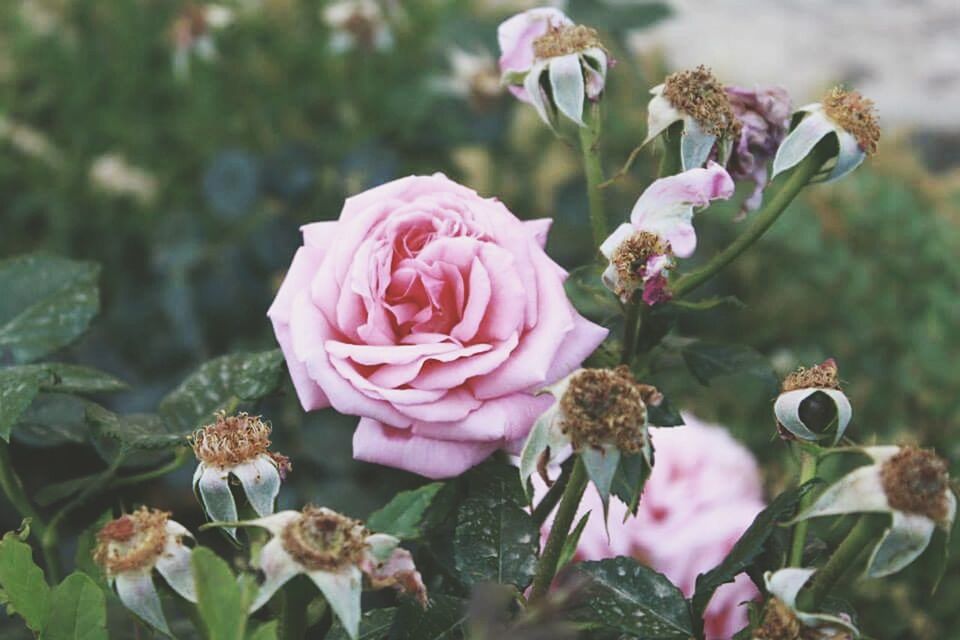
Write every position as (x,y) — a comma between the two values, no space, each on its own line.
(699,94)
(231,440)
(132,542)
(917,481)
(856,115)
(605,406)
(631,257)
(565,39)
(323,540)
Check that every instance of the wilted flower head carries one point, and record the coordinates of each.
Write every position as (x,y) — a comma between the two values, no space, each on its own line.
(698,100)
(236,447)
(473,76)
(130,547)
(764,115)
(810,400)
(357,24)
(600,413)
(335,552)
(661,226)
(543,47)
(912,485)
(781,620)
(848,115)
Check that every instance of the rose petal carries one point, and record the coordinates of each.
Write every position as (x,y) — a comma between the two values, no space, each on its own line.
(510,416)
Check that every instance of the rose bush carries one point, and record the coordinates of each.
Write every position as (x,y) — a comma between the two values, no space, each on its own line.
(433,314)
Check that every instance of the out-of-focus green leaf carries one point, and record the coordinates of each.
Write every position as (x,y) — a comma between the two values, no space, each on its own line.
(265,631)
(664,415)
(442,620)
(374,625)
(24,589)
(17,390)
(54,419)
(222,600)
(402,517)
(589,296)
(78,610)
(632,474)
(47,303)
(138,430)
(220,384)
(708,360)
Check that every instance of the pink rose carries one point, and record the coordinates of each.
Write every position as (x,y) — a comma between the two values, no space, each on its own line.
(433,314)
(516,36)
(702,495)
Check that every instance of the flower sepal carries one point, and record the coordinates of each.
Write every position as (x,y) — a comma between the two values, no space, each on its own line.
(782,619)
(812,406)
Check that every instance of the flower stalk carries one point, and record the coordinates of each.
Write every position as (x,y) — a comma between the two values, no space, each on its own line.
(808,471)
(795,182)
(547,566)
(590,146)
(860,537)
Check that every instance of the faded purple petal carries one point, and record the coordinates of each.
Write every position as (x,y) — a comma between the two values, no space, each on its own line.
(765,116)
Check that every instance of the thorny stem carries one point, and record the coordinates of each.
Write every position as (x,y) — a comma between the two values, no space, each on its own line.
(590,146)
(808,471)
(859,538)
(796,180)
(547,566)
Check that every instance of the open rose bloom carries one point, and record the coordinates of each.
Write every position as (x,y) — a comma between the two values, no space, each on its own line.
(702,494)
(434,314)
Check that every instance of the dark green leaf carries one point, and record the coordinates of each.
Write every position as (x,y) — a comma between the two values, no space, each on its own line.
(624,596)
(587,293)
(496,479)
(442,620)
(86,542)
(25,590)
(53,493)
(708,360)
(748,548)
(630,478)
(137,430)
(17,390)
(222,600)
(570,544)
(265,631)
(220,384)
(52,420)
(495,541)
(664,415)
(374,625)
(47,303)
(74,378)
(78,611)
(403,515)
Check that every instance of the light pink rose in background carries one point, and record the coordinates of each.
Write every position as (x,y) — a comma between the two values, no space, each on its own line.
(704,492)
(516,36)
(433,314)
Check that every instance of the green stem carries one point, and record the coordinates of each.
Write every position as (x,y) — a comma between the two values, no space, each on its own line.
(590,146)
(550,500)
(631,325)
(763,220)
(12,487)
(547,567)
(859,538)
(808,471)
(182,456)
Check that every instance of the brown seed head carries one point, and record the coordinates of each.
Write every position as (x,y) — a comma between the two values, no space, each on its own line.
(630,259)
(917,481)
(132,542)
(563,40)
(856,115)
(819,376)
(698,94)
(231,440)
(779,623)
(606,406)
(324,540)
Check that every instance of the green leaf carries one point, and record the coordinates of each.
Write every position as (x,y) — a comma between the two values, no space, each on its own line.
(624,596)
(25,590)
(47,303)
(74,378)
(403,515)
(629,480)
(442,620)
(569,548)
(220,384)
(17,390)
(708,360)
(86,542)
(222,600)
(586,291)
(265,631)
(53,419)
(495,541)
(374,625)
(78,611)
(748,548)
(494,478)
(136,430)
(664,415)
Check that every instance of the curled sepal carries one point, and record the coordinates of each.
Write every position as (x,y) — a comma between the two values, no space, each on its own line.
(138,594)
(342,590)
(787,410)
(785,585)
(695,145)
(601,464)
(860,491)
(902,543)
(547,444)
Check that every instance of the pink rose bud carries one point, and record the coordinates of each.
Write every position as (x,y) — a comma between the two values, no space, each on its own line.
(434,314)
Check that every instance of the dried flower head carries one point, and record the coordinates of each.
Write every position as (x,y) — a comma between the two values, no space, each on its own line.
(132,542)
(820,376)
(698,93)
(631,258)
(324,540)
(917,481)
(231,440)
(855,114)
(564,39)
(606,406)
(779,622)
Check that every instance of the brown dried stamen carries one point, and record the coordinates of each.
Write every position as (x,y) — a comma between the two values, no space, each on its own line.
(819,376)
(917,481)
(856,115)
(630,259)
(779,623)
(698,93)
(563,40)
(606,406)
(132,542)
(323,540)
(231,440)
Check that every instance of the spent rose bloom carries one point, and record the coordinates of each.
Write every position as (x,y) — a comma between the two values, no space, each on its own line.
(434,314)
(764,116)
(516,36)
(703,493)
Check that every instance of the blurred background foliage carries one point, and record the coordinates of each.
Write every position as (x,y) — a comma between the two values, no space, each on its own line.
(186,169)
